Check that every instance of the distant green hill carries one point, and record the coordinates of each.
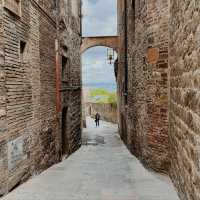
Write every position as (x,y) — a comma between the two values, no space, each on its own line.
(100,95)
(112,87)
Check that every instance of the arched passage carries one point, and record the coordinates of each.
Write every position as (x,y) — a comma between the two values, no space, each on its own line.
(107,41)
(98,77)
(99,57)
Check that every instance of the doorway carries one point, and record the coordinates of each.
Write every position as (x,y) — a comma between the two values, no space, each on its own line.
(65,140)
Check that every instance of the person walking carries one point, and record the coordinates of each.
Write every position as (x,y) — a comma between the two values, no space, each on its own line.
(97,119)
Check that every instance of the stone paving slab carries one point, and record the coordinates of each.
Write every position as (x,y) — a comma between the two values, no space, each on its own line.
(101,171)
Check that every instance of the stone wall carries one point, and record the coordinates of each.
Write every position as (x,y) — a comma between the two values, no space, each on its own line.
(30,125)
(107,111)
(143,80)
(3,157)
(120,71)
(184,97)
(70,41)
(161,83)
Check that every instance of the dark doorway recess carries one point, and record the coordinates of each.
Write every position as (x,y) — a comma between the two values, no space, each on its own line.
(65,142)
(124,129)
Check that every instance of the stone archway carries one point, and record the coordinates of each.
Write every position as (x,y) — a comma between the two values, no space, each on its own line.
(107,41)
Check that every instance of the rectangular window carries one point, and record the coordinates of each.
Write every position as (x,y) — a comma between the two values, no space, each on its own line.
(133,4)
(22,51)
(65,69)
(13,6)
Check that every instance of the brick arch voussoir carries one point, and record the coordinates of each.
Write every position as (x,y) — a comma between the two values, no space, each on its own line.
(110,42)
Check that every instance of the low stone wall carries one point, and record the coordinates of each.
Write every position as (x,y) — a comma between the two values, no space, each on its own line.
(107,111)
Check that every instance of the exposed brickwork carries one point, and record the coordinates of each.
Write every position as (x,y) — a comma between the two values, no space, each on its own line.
(30,127)
(71,82)
(120,69)
(107,41)
(184,97)
(144,114)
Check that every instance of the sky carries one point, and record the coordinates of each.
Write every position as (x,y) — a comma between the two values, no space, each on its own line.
(99,18)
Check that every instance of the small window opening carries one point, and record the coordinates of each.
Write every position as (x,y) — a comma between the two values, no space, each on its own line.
(133,4)
(65,69)
(64,48)
(22,50)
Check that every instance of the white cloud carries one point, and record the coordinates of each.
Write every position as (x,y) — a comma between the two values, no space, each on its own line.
(95,67)
(99,17)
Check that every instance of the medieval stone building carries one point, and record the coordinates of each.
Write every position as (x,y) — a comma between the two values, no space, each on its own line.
(143,80)
(158,87)
(39,86)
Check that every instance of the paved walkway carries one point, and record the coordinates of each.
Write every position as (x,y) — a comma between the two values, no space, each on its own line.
(102,169)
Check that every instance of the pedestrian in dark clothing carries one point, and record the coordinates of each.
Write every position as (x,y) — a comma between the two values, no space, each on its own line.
(97,119)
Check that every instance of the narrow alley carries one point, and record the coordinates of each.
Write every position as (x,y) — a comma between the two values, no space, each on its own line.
(135,63)
(102,169)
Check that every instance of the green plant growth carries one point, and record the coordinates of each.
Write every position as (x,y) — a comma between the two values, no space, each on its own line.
(103,96)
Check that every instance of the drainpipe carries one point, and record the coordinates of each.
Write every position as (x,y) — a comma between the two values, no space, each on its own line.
(58,78)
(126,52)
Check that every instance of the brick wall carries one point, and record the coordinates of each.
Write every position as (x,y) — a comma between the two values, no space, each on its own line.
(30,127)
(184,97)
(71,85)
(2,109)
(120,69)
(137,46)
(144,117)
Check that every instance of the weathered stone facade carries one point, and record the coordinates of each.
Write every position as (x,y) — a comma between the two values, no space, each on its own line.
(30,124)
(120,71)
(184,97)
(70,41)
(143,80)
(158,86)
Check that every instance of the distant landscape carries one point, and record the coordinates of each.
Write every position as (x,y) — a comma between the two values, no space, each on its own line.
(111,87)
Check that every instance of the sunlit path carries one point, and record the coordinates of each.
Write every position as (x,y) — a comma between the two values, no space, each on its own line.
(102,169)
